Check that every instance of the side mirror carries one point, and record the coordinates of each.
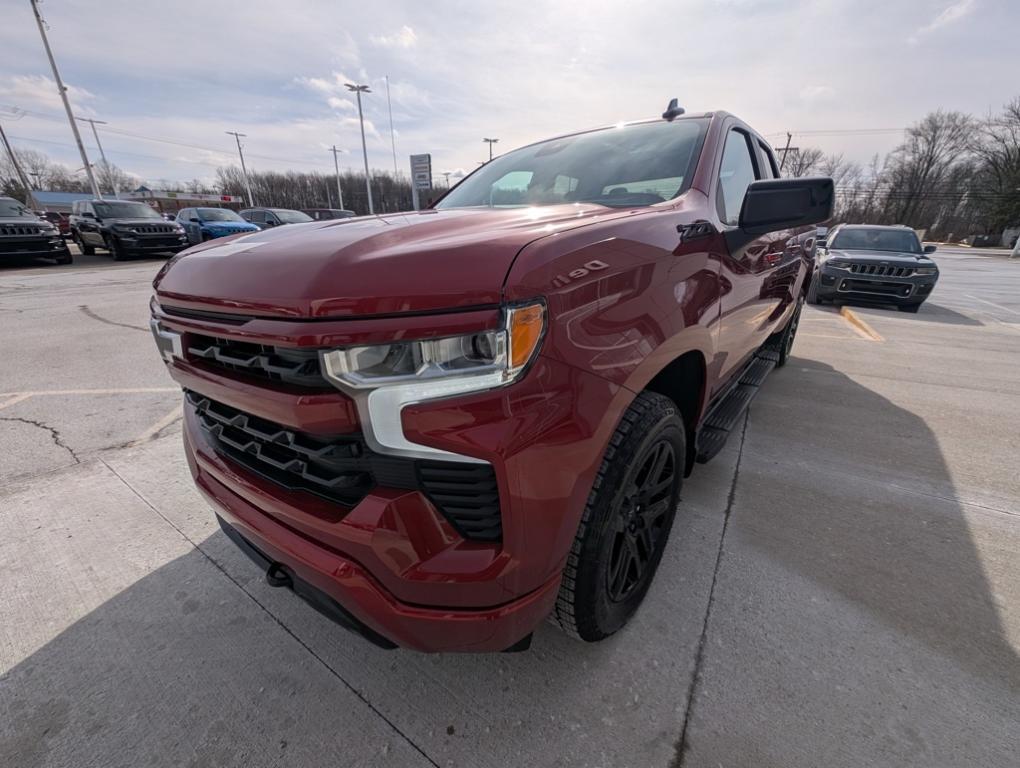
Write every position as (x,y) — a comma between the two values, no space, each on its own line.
(930,249)
(88,215)
(270,223)
(776,204)
(195,220)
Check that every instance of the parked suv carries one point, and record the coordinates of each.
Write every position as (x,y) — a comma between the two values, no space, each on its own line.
(439,427)
(124,228)
(325,214)
(266,218)
(22,233)
(203,224)
(874,263)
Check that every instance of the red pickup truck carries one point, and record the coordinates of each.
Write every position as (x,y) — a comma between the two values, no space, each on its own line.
(440,427)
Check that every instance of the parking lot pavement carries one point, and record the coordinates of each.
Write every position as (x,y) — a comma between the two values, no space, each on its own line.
(841,586)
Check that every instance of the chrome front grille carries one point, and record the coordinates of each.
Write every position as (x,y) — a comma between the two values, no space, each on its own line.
(881,270)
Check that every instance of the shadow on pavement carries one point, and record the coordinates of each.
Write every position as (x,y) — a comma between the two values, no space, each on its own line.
(878,520)
(929,312)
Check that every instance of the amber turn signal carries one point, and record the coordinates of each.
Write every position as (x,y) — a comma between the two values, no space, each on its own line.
(526,324)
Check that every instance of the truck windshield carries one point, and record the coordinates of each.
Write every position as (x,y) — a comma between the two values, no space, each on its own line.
(217,214)
(900,241)
(623,167)
(122,210)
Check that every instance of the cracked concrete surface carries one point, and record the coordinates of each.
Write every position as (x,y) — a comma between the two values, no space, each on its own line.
(55,434)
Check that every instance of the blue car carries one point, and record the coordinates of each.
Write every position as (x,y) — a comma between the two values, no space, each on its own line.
(203,224)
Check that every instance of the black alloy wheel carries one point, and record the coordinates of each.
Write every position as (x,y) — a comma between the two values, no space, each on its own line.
(639,521)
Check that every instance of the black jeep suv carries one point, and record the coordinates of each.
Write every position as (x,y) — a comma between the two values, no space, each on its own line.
(865,262)
(22,233)
(124,228)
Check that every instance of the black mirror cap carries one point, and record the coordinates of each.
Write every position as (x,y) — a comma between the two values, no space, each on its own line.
(195,219)
(775,204)
(930,249)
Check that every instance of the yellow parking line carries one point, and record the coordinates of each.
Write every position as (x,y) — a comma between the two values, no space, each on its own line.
(14,400)
(50,392)
(855,322)
(158,427)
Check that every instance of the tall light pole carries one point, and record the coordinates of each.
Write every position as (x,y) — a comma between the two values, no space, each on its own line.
(244,168)
(336,164)
(63,97)
(490,142)
(360,89)
(447,175)
(102,154)
(17,168)
(393,139)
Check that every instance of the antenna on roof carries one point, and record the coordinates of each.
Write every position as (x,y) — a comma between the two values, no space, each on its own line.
(673,111)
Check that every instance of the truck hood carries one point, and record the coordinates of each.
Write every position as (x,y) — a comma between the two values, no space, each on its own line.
(380,265)
(883,257)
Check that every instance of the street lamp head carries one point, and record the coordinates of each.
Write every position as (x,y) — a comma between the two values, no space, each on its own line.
(491,141)
(356,87)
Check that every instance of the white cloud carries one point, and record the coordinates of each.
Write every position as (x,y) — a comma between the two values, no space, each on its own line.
(404,37)
(947,16)
(343,104)
(817,93)
(40,92)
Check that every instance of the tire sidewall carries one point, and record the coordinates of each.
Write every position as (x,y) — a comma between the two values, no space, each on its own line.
(609,616)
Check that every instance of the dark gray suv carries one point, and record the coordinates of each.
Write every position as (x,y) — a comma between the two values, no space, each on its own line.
(867,262)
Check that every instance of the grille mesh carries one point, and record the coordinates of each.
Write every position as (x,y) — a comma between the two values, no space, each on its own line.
(881,270)
(289,365)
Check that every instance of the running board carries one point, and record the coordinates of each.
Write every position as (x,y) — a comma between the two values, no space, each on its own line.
(727,412)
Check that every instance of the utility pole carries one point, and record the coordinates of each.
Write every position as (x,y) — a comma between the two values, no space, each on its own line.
(786,149)
(336,164)
(490,142)
(360,89)
(17,168)
(393,140)
(244,168)
(63,97)
(102,154)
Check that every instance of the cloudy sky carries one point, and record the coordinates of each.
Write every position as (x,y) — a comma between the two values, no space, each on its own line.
(186,72)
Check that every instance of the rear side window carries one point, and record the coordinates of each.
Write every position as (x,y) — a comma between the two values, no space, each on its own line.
(735,175)
(769,169)
(257,216)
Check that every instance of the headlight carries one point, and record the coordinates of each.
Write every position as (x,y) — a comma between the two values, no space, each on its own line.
(384,378)
(837,264)
(925,271)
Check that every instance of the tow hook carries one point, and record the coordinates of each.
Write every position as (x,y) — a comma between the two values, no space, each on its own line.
(277,576)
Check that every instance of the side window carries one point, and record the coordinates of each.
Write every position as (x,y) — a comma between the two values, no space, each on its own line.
(769,169)
(736,173)
(258,216)
(75,207)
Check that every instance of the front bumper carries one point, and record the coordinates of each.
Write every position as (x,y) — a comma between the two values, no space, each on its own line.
(838,283)
(49,246)
(152,244)
(391,559)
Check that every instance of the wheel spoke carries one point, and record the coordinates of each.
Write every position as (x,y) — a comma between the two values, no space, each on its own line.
(656,510)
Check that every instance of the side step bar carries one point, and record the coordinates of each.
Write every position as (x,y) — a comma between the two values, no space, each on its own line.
(725,414)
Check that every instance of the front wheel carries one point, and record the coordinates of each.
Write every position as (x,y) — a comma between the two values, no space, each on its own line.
(788,335)
(812,293)
(65,257)
(626,521)
(87,250)
(115,248)
(912,308)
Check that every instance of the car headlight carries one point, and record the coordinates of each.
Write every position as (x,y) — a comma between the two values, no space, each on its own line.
(837,264)
(925,271)
(383,378)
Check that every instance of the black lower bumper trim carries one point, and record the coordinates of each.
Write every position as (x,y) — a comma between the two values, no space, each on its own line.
(314,596)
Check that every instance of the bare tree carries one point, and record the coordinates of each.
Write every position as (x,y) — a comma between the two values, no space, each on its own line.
(802,162)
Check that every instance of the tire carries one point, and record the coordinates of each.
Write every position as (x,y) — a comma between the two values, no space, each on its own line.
(115,248)
(617,549)
(812,292)
(911,308)
(789,334)
(87,250)
(65,257)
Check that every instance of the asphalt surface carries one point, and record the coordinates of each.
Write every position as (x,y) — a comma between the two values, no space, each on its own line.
(841,588)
